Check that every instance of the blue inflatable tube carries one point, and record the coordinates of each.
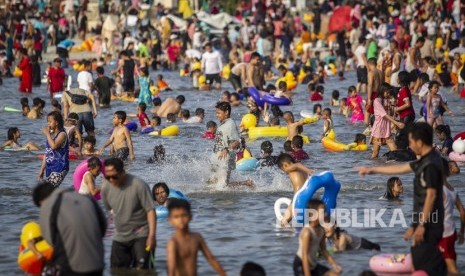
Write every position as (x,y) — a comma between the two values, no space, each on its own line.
(324,180)
(241,96)
(276,101)
(253,92)
(147,130)
(162,211)
(132,126)
(247,164)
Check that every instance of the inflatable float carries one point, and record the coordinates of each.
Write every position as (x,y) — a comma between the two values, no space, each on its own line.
(17,72)
(162,211)
(457,157)
(247,164)
(460,135)
(289,79)
(71,155)
(167,131)
(13,149)
(333,145)
(459,146)
(79,172)
(27,260)
(147,130)
(124,98)
(324,180)
(130,125)
(308,114)
(255,94)
(391,263)
(266,98)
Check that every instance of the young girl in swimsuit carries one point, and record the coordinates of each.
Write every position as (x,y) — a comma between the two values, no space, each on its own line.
(434,103)
(12,142)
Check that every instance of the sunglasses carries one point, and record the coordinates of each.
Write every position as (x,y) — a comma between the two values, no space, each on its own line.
(109,177)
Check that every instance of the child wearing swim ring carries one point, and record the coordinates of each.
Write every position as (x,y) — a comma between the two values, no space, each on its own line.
(341,241)
(298,174)
(94,166)
(243,151)
(311,242)
(211,131)
(13,138)
(394,189)
(89,146)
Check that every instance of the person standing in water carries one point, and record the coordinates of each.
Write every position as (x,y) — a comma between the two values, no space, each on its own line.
(428,209)
(375,79)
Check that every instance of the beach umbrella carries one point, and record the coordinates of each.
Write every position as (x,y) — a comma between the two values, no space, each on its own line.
(340,19)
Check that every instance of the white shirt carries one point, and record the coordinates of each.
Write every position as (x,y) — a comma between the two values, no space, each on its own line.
(83,79)
(211,63)
(449,203)
(359,54)
(431,27)
(197,40)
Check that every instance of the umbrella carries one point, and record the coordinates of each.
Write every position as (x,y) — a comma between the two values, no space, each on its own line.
(340,19)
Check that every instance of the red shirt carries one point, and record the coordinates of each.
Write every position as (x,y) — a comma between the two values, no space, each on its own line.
(316,97)
(404,94)
(209,135)
(57,77)
(142,118)
(172,51)
(299,155)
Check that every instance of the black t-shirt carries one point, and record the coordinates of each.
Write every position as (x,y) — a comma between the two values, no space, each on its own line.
(269,161)
(128,69)
(104,84)
(428,174)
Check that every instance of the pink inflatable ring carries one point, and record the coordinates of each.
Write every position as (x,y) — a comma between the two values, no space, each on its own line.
(391,263)
(78,174)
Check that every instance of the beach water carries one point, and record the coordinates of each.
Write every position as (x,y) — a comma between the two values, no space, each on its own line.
(238,225)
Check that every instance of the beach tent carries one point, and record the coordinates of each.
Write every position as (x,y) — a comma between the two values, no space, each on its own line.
(217,21)
(340,19)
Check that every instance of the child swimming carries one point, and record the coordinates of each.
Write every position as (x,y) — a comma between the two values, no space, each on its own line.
(89,146)
(25,106)
(243,151)
(158,155)
(298,153)
(394,189)
(211,131)
(334,98)
(266,157)
(36,112)
(88,187)
(198,117)
(184,245)
(298,174)
(13,136)
(312,241)
(185,115)
(340,240)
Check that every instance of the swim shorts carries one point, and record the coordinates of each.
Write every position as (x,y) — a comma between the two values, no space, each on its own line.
(122,153)
(362,75)
(299,270)
(447,247)
(221,169)
(235,81)
(211,78)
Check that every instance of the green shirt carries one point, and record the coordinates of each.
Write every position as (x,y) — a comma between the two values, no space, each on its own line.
(372,49)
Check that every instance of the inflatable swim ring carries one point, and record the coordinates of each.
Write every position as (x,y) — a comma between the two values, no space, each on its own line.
(17,72)
(167,131)
(255,94)
(456,137)
(334,145)
(391,263)
(11,109)
(162,211)
(226,72)
(324,180)
(267,98)
(457,157)
(27,260)
(147,130)
(459,145)
(132,126)
(71,156)
(79,172)
(274,131)
(247,164)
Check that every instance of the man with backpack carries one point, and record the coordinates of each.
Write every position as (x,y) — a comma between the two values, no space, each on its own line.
(81,102)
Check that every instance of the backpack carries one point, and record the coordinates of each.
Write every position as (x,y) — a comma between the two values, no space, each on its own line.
(78,99)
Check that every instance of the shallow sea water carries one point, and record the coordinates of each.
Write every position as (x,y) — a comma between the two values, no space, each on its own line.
(238,225)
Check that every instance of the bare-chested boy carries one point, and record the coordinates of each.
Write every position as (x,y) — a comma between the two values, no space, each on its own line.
(171,105)
(375,79)
(292,127)
(120,138)
(298,174)
(182,248)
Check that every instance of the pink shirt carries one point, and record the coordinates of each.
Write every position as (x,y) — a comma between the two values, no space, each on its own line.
(382,126)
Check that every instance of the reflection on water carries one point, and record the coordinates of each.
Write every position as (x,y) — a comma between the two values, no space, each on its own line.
(238,225)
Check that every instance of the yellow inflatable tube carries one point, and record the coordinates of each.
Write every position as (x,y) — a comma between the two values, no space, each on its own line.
(167,131)
(334,145)
(274,131)
(17,72)
(27,260)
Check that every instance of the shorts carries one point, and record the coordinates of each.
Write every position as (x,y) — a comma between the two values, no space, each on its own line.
(210,78)
(62,52)
(382,141)
(86,121)
(128,85)
(55,178)
(299,270)
(427,256)
(447,247)
(235,81)
(122,153)
(374,95)
(362,75)
(130,254)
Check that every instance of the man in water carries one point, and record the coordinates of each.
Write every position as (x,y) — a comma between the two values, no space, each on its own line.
(428,209)
(227,139)
(253,72)
(171,105)
(75,226)
(375,79)
(212,66)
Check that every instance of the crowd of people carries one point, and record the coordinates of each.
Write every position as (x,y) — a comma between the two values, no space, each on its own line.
(401,52)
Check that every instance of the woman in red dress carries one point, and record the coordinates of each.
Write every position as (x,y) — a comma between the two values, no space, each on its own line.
(25,66)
